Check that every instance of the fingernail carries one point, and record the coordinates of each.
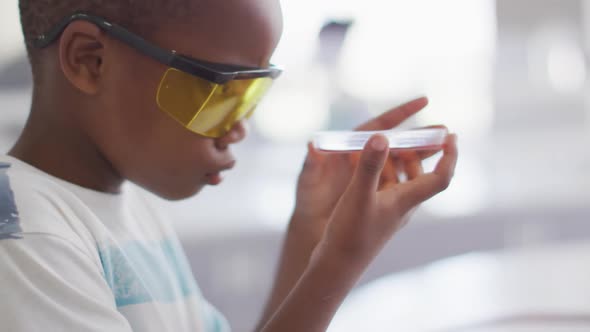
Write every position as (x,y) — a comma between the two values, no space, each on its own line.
(379,143)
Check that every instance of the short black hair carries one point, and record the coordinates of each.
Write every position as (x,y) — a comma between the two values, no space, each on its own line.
(140,16)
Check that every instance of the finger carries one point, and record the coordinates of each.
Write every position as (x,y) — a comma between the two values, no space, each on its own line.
(412,164)
(425,154)
(390,175)
(354,158)
(314,157)
(395,116)
(446,166)
(371,164)
(422,188)
(311,166)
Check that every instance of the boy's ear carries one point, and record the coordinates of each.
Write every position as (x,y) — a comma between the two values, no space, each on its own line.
(81,55)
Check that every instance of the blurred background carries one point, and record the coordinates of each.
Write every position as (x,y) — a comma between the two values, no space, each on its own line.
(509,76)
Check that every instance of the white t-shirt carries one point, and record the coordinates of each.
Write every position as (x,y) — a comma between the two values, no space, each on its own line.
(73,259)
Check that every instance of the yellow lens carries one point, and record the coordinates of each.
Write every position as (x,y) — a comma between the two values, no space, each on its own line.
(182,95)
(228,104)
(207,108)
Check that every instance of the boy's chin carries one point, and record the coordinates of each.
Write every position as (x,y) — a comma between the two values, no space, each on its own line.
(177,194)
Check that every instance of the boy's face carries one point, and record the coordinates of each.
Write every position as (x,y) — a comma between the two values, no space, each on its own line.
(147,146)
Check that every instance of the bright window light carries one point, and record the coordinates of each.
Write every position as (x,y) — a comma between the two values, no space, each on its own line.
(442,49)
(556,59)
(10,35)
(468,194)
(295,108)
(566,67)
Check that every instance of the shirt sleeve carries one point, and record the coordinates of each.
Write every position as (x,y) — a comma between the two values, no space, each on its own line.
(49,284)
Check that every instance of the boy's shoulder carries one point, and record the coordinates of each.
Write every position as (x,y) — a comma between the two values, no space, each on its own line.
(31,202)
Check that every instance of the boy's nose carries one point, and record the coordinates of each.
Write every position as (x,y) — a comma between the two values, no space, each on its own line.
(237,133)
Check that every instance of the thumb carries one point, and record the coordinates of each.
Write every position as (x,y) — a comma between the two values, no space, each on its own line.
(312,167)
(371,164)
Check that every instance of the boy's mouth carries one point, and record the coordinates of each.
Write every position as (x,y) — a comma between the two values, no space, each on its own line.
(215,178)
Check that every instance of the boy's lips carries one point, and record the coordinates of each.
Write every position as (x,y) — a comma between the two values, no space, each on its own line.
(215,178)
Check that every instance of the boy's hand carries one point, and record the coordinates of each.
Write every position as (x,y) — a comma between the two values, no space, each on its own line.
(368,214)
(325,176)
(365,217)
(322,184)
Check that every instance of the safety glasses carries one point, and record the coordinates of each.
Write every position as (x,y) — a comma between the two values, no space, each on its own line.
(206,98)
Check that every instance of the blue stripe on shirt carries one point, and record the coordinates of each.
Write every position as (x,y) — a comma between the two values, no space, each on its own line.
(141,273)
(9,219)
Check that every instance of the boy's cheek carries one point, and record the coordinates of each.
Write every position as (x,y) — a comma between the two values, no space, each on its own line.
(150,147)
(171,171)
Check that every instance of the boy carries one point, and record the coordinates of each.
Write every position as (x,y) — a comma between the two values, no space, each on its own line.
(159,103)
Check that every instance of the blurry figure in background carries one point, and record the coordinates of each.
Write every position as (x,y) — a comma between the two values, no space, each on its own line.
(155,93)
(331,39)
(346,111)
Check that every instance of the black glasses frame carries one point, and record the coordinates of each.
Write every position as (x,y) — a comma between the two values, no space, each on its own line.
(213,72)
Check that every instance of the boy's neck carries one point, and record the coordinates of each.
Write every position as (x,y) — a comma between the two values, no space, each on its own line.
(65,153)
